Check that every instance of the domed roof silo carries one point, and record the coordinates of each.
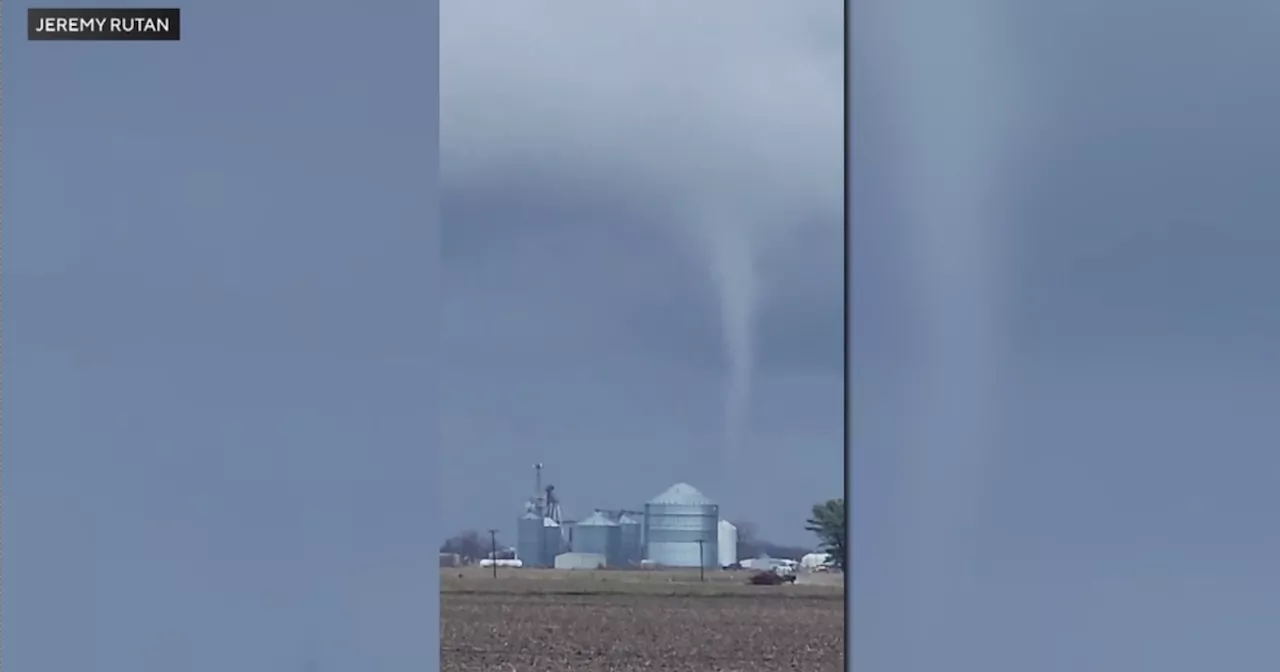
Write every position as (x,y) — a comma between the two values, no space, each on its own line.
(681,528)
(632,546)
(597,534)
(529,540)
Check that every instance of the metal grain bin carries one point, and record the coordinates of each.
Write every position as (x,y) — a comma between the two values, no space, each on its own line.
(553,542)
(529,537)
(728,544)
(631,540)
(597,534)
(680,526)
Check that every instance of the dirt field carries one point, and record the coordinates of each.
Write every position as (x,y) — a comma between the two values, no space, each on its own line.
(596,621)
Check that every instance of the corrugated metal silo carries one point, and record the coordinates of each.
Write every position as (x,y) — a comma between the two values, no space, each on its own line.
(680,526)
(529,540)
(632,546)
(728,544)
(552,542)
(597,534)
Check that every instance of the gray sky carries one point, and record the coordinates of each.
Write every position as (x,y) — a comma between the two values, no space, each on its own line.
(606,171)
(1064,325)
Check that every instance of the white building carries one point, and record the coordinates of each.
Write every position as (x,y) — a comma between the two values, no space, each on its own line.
(813,561)
(581,561)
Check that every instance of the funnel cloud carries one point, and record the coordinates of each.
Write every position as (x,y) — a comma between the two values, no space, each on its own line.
(953,284)
(731,264)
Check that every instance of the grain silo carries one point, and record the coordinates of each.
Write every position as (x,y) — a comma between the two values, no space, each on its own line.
(529,537)
(632,550)
(553,542)
(597,534)
(728,544)
(681,528)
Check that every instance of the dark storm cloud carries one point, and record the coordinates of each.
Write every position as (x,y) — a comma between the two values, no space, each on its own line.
(1153,226)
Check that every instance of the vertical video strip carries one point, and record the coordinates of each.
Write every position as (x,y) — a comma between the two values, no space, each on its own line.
(643,250)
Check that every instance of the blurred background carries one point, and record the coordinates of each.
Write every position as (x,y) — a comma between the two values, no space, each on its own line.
(1063,242)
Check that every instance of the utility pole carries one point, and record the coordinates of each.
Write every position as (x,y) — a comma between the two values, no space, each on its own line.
(702,563)
(493,554)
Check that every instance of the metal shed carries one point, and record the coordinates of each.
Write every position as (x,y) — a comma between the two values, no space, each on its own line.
(580,561)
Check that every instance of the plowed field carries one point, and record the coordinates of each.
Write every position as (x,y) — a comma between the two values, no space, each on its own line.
(595,622)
